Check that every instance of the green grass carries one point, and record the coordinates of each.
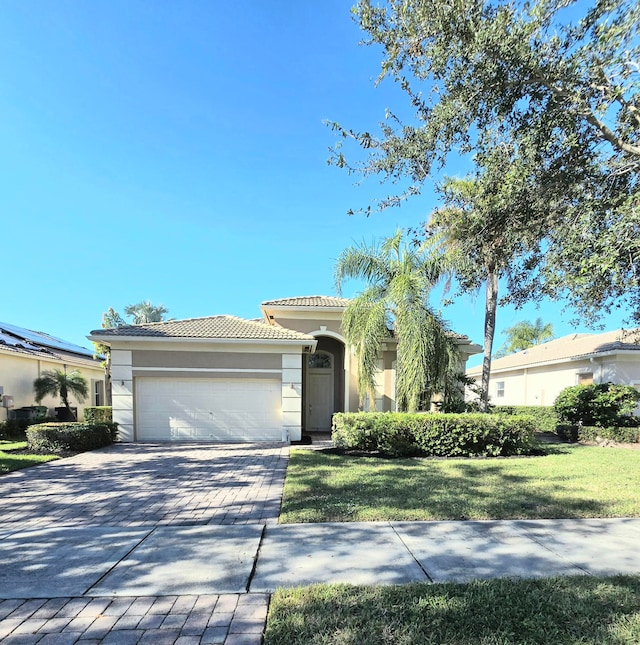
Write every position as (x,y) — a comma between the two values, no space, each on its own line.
(10,461)
(554,611)
(571,481)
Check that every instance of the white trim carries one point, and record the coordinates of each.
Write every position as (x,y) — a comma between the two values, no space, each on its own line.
(207,369)
(347,360)
(329,333)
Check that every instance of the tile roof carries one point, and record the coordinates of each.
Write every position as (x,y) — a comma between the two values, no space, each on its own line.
(212,327)
(308,301)
(567,347)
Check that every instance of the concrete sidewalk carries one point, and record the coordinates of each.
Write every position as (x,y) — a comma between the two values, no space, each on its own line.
(213,560)
(199,585)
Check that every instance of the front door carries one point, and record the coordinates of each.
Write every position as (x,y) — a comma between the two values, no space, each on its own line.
(319,386)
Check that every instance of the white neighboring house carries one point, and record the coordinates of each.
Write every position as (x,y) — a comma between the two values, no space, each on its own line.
(536,376)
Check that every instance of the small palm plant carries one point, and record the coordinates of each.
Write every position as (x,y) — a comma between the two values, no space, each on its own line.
(59,383)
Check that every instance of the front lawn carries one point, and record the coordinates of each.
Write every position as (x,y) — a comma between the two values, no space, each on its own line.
(12,457)
(572,481)
(553,611)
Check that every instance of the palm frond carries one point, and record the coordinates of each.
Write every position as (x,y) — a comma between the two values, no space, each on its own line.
(399,279)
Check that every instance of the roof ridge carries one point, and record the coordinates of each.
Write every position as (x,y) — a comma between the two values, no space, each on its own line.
(206,327)
(307,297)
(175,320)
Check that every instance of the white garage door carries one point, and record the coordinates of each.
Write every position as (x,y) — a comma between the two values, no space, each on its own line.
(208,410)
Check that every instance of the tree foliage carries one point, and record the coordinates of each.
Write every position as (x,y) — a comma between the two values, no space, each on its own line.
(599,404)
(559,77)
(471,229)
(146,312)
(59,383)
(398,280)
(525,334)
(142,312)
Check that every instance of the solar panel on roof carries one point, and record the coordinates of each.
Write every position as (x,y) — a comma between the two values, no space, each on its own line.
(40,338)
(12,341)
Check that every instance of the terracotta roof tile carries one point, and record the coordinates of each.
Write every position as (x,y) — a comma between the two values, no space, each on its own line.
(212,327)
(308,301)
(567,347)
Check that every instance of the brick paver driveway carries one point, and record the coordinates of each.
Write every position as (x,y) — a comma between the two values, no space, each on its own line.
(141,485)
(144,486)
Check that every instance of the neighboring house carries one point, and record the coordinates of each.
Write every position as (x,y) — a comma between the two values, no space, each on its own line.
(224,378)
(536,376)
(25,354)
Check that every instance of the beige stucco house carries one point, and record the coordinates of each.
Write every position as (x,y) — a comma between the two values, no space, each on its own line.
(224,378)
(25,354)
(536,376)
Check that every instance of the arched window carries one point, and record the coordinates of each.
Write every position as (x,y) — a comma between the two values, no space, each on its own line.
(321,360)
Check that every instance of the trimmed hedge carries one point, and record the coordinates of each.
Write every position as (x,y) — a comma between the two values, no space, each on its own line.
(76,437)
(15,429)
(567,432)
(545,415)
(591,433)
(98,414)
(434,434)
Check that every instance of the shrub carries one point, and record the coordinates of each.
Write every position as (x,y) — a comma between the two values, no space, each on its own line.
(567,432)
(601,404)
(58,437)
(434,435)
(622,435)
(98,414)
(15,429)
(545,415)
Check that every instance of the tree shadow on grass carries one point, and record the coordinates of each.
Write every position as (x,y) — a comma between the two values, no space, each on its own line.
(339,488)
(553,611)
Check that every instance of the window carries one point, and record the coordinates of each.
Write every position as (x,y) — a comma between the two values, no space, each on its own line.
(320,360)
(586,378)
(500,389)
(98,393)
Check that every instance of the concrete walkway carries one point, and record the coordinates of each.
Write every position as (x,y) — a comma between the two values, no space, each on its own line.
(193,575)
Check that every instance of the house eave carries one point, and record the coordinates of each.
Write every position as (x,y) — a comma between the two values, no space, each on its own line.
(477,371)
(80,361)
(108,340)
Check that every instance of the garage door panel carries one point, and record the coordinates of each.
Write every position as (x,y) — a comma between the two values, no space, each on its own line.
(208,409)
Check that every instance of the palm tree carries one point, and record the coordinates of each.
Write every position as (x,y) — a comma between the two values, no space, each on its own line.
(146,312)
(59,383)
(399,279)
(477,232)
(525,334)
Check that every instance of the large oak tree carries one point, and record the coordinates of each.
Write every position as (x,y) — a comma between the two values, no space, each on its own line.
(560,78)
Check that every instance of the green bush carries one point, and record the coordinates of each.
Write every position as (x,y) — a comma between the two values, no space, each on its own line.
(76,437)
(622,435)
(15,429)
(434,435)
(567,432)
(600,404)
(545,415)
(98,414)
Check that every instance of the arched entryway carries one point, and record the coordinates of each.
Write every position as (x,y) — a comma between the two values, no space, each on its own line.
(323,384)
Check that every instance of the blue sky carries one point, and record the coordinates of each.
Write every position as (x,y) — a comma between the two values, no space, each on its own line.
(176,152)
